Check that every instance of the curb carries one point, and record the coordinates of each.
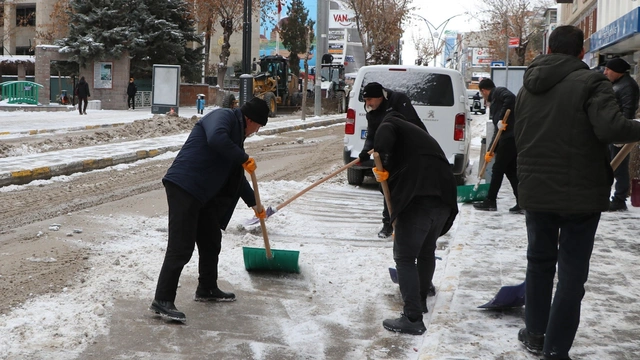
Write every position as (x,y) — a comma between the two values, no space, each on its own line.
(44,131)
(25,176)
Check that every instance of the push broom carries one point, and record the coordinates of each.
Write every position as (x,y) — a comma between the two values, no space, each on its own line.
(267,258)
(478,192)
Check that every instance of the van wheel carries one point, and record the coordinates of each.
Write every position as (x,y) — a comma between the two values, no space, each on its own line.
(354,176)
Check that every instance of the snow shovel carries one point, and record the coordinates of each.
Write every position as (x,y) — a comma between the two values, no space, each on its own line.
(477,192)
(267,258)
(271,210)
(513,295)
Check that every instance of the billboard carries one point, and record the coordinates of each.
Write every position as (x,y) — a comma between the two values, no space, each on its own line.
(481,57)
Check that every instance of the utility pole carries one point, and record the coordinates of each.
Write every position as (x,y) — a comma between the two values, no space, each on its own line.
(246,38)
(321,48)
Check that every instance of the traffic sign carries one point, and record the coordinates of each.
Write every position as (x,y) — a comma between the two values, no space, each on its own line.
(514,42)
(497,63)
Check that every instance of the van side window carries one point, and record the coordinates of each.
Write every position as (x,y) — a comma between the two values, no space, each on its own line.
(423,88)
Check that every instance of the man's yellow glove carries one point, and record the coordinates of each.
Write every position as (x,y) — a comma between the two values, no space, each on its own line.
(260,215)
(488,156)
(381,175)
(250,165)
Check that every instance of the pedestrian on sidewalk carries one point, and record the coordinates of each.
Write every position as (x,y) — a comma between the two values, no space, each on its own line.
(501,100)
(203,186)
(424,206)
(132,89)
(82,91)
(378,101)
(627,96)
(567,116)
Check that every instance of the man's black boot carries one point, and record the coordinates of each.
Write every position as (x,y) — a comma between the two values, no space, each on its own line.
(405,326)
(168,310)
(487,205)
(386,231)
(533,342)
(516,209)
(617,204)
(214,295)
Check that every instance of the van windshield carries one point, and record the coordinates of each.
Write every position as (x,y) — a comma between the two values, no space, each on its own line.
(423,88)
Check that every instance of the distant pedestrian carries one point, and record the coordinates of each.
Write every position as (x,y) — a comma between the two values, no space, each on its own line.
(501,100)
(378,101)
(132,89)
(203,186)
(200,104)
(83,94)
(627,95)
(423,204)
(567,116)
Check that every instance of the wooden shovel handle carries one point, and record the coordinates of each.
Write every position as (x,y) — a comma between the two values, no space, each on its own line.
(494,143)
(626,149)
(385,186)
(260,208)
(343,168)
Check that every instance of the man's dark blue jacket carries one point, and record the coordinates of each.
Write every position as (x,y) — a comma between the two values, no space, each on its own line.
(209,165)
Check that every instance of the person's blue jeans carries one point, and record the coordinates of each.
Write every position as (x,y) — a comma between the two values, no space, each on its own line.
(565,239)
(621,174)
(417,229)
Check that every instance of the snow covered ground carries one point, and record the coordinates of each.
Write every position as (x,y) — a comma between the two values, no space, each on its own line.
(343,284)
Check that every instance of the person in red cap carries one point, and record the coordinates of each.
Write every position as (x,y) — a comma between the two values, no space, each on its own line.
(203,186)
(627,95)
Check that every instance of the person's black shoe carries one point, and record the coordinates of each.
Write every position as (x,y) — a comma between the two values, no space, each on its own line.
(405,326)
(549,357)
(214,295)
(533,342)
(432,290)
(168,310)
(387,230)
(617,205)
(516,209)
(486,205)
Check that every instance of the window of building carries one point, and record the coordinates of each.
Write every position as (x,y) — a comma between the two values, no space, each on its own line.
(24,50)
(26,16)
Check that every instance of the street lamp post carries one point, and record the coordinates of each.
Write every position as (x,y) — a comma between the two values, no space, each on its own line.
(434,34)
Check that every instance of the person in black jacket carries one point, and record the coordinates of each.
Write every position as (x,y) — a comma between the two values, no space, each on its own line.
(423,208)
(567,116)
(379,101)
(203,186)
(83,94)
(627,94)
(506,155)
(132,89)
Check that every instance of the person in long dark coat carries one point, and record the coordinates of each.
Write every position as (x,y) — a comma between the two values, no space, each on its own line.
(423,207)
(83,94)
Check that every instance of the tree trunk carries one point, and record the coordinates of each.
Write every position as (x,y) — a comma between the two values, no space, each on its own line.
(227,30)
(305,81)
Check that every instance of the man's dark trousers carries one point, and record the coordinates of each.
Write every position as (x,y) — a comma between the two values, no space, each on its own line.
(621,174)
(416,230)
(190,223)
(505,163)
(131,101)
(568,240)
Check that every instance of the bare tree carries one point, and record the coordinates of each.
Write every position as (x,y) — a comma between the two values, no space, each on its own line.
(379,24)
(425,51)
(522,19)
(230,16)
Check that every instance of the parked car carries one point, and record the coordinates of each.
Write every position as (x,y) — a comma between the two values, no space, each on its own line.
(482,109)
(440,99)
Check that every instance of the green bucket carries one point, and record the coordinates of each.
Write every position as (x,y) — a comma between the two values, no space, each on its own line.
(281,260)
(467,194)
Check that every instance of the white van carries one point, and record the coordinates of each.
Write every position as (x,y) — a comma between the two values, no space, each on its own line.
(439,96)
